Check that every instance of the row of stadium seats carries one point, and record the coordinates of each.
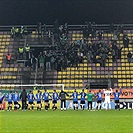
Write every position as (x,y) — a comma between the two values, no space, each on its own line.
(10,69)
(7,72)
(8,77)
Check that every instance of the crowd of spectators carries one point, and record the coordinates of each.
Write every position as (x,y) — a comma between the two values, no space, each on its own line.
(92,47)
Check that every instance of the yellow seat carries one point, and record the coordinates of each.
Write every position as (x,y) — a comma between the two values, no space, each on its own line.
(59,76)
(124,84)
(77,72)
(120,84)
(72,85)
(127,72)
(119,76)
(89,68)
(81,73)
(64,73)
(72,72)
(81,65)
(7,43)
(80,85)
(2,69)
(110,35)
(68,68)
(76,85)
(11,69)
(13,77)
(59,81)
(110,64)
(7,69)
(68,72)
(123,68)
(72,81)
(123,72)
(15,69)
(84,72)
(59,73)
(97,76)
(97,64)
(80,68)
(6,50)
(85,64)
(64,76)
(119,68)
(67,85)
(127,64)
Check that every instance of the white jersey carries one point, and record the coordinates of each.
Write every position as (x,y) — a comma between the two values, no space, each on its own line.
(107,94)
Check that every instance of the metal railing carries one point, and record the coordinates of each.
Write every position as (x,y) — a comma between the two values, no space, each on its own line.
(36,71)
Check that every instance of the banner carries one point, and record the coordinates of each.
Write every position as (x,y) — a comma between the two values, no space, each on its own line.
(69,105)
(123,105)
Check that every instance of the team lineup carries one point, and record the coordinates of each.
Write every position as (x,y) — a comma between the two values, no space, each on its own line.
(40,97)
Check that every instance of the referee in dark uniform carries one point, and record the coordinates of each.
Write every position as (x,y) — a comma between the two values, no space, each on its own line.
(23,97)
(62,97)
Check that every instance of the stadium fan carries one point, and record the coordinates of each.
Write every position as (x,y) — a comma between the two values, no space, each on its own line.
(62,96)
(27,51)
(8,58)
(99,99)
(10,98)
(21,52)
(75,100)
(125,41)
(41,60)
(116,98)
(90,96)
(46,96)
(107,93)
(129,57)
(82,99)
(1,101)
(54,98)
(12,32)
(38,99)
(31,101)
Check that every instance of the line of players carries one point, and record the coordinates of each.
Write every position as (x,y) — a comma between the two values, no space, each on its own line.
(55,97)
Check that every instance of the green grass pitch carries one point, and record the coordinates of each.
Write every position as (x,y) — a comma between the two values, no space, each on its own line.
(69,121)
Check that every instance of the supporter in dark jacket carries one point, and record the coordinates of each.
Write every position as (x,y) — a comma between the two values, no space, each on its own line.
(23,97)
(62,97)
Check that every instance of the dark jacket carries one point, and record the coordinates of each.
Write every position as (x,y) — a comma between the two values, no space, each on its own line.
(62,95)
(23,95)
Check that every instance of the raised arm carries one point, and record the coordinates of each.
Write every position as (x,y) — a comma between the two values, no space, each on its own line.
(111,90)
(120,90)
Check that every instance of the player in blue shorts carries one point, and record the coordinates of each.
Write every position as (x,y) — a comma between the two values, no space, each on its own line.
(38,99)
(16,99)
(10,99)
(55,97)
(99,99)
(116,98)
(31,101)
(46,96)
(1,101)
(75,100)
(82,99)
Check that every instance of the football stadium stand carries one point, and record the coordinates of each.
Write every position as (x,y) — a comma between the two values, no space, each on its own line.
(103,66)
